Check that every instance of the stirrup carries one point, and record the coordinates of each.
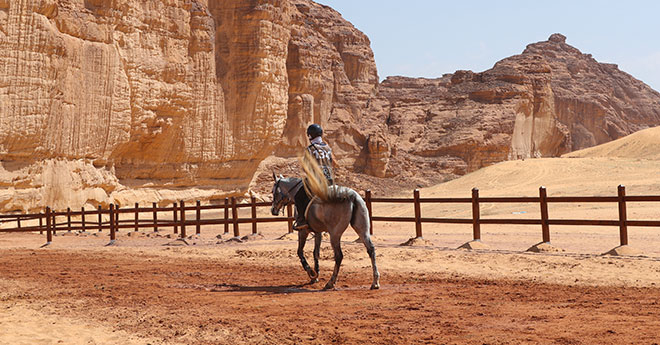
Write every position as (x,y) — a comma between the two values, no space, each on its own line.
(298,227)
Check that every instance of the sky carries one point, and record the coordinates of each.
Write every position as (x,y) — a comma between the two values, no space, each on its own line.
(428,38)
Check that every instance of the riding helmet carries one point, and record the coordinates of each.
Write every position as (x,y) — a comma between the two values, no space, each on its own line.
(314,131)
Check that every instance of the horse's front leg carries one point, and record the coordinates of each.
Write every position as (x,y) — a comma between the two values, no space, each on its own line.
(302,238)
(339,256)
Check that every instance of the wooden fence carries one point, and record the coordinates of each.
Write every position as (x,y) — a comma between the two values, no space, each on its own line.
(48,220)
(93,219)
(543,200)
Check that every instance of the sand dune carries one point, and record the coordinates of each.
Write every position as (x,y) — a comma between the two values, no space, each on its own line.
(633,161)
(561,176)
(644,144)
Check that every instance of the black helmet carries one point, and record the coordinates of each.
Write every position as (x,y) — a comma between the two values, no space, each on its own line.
(314,131)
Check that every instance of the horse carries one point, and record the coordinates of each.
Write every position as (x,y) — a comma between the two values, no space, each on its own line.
(333,213)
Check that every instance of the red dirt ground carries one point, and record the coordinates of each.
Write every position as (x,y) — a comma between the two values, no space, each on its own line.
(210,301)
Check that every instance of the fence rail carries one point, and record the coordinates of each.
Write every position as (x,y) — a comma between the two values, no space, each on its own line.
(51,222)
(543,200)
(101,219)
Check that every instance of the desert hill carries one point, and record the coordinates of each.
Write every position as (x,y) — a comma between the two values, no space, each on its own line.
(644,144)
(633,161)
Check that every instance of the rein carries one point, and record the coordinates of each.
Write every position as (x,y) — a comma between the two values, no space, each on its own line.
(287,193)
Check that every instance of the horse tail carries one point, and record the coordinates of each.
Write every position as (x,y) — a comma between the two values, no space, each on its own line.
(360,216)
(315,182)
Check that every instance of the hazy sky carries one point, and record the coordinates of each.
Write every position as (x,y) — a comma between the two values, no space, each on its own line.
(427,38)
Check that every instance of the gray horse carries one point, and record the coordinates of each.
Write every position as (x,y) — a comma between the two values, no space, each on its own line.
(343,207)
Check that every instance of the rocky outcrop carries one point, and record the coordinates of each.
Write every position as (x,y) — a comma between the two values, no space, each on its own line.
(332,76)
(547,101)
(178,94)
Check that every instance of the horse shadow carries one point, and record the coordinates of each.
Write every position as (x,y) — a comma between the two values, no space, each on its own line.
(266,289)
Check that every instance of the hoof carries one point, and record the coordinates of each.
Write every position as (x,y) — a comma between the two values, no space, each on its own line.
(329,286)
(375,287)
(313,281)
(313,274)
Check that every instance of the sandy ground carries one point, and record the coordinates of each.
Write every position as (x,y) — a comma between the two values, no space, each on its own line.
(149,289)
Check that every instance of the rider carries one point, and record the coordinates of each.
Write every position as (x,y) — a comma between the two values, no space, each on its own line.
(323,154)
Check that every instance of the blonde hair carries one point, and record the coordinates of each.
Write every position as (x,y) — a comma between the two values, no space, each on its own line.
(316,184)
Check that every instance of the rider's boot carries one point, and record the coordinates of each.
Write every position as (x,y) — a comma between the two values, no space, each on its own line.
(302,200)
(300,224)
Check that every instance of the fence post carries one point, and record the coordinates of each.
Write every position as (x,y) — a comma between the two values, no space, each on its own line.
(545,226)
(367,197)
(234,215)
(226,215)
(418,215)
(82,218)
(41,224)
(54,223)
(198,217)
(175,218)
(113,235)
(100,218)
(183,219)
(18,221)
(68,219)
(155,206)
(49,230)
(623,218)
(253,206)
(137,217)
(476,227)
(117,222)
(289,220)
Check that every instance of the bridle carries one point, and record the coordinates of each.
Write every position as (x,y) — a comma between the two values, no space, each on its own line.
(285,193)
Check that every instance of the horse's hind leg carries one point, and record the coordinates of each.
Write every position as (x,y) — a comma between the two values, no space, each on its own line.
(335,241)
(360,223)
(302,238)
(371,250)
(317,251)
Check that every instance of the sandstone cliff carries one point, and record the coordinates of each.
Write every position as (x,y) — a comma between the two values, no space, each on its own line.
(169,95)
(547,101)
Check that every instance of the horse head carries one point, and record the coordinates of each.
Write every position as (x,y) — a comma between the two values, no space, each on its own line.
(279,198)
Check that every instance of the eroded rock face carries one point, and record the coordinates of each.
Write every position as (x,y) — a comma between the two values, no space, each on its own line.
(549,100)
(377,153)
(176,94)
(331,62)
(129,84)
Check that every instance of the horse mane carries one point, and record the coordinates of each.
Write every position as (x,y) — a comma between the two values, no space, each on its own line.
(316,183)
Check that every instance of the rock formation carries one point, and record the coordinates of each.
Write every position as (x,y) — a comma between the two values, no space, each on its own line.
(547,101)
(171,95)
